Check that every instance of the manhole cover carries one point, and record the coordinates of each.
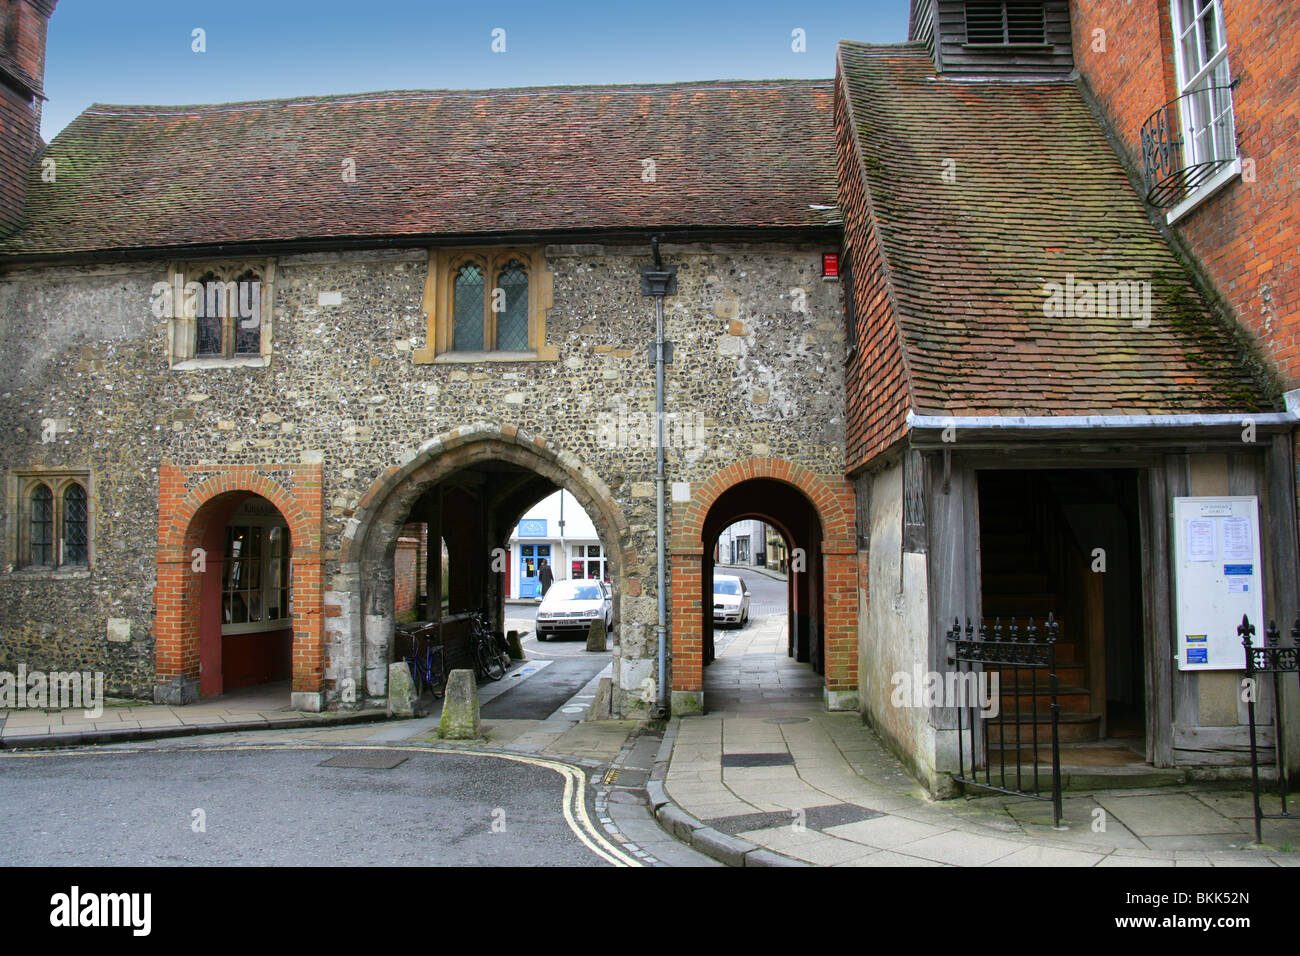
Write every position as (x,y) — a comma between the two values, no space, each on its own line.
(366,760)
(786,720)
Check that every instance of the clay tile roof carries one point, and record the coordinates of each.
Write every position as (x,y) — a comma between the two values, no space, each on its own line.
(728,155)
(1037,196)
(17,76)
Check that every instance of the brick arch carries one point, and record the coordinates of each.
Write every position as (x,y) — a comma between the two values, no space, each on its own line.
(833,504)
(183,526)
(184,516)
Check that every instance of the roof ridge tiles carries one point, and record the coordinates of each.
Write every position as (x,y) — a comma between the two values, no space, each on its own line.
(380,96)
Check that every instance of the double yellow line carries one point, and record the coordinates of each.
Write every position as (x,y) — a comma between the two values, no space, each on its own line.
(572,803)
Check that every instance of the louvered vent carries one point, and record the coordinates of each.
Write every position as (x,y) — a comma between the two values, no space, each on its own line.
(1025,23)
(1003,22)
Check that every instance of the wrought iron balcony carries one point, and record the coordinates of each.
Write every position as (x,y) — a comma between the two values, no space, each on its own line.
(1175,167)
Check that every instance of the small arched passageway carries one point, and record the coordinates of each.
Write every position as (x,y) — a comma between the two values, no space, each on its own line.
(762,674)
(231,618)
(811,516)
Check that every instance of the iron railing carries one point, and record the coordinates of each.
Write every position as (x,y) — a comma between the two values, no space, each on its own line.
(1174,169)
(1019,652)
(1275,660)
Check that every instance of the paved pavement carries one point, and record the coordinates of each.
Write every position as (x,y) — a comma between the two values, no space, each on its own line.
(769,771)
(257,708)
(766,778)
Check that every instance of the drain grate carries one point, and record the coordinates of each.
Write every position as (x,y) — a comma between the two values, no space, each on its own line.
(366,760)
(786,720)
(757,760)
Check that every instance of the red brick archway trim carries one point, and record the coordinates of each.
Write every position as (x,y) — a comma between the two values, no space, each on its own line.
(185,503)
(833,500)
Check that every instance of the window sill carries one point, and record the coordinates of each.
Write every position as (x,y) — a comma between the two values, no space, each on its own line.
(78,573)
(239,361)
(1204,191)
(261,627)
(547,353)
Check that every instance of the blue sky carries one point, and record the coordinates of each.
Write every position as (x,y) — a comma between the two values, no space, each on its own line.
(139,51)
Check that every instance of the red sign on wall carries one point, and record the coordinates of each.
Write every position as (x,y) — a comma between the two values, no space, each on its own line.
(830,265)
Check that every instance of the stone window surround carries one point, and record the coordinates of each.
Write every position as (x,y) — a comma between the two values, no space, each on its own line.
(20,484)
(181,331)
(442,267)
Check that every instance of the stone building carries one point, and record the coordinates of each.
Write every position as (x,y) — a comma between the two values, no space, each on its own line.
(248,344)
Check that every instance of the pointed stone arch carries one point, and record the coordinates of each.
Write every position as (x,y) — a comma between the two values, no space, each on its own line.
(359,621)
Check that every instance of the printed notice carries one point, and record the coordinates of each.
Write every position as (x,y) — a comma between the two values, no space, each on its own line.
(1237,543)
(1201,540)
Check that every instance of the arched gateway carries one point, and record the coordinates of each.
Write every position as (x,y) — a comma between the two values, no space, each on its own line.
(470,486)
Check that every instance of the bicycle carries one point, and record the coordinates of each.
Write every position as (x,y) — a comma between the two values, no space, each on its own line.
(426,666)
(488,646)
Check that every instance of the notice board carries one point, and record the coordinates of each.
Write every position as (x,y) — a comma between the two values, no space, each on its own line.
(1217,578)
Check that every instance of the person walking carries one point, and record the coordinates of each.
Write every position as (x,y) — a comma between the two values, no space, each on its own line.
(545,576)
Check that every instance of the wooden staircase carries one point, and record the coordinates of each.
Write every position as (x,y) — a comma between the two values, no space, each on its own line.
(1028,559)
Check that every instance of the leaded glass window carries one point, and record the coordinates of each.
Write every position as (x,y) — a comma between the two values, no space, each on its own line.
(42,526)
(74,525)
(512,316)
(52,528)
(467,309)
(248,317)
(208,322)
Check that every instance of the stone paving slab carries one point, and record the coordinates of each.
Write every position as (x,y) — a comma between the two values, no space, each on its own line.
(887,858)
(886,832)
(960,848)
(1167,815)
(836,759)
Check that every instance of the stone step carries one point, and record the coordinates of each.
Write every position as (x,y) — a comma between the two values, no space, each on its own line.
(1084,779)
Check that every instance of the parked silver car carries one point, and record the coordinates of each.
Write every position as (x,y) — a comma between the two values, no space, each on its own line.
(730,600)
(570,606)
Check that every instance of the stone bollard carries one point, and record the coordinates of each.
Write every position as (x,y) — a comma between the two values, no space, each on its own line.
(460,707)
(596,635)
(401,690)
(599,709)
(515,646)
